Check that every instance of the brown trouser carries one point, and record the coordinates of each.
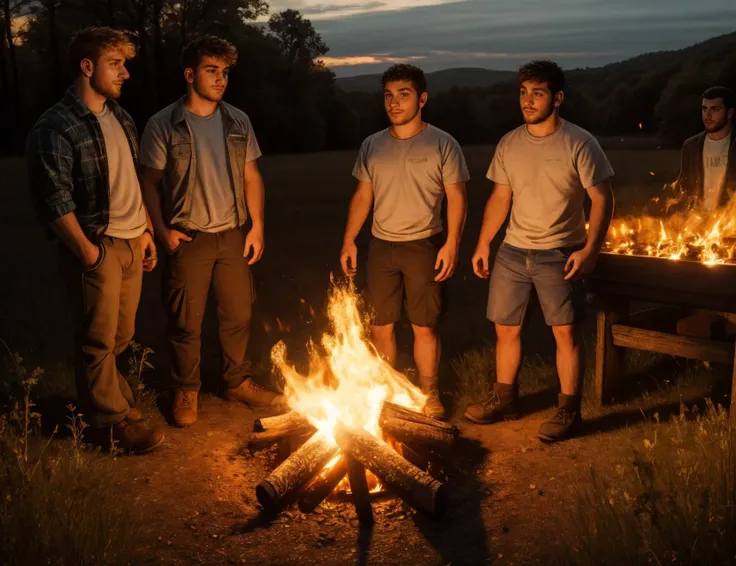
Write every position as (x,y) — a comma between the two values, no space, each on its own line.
(215,259)
(104,302)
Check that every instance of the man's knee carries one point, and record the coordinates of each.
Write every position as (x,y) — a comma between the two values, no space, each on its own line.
(508,333)
(568,336)
(424,332)
(382,331)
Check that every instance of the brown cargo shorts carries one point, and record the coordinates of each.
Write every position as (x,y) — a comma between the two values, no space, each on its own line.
(403,272)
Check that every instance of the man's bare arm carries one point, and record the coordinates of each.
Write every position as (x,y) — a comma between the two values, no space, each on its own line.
(457,207)
(255,194)
(360,207)
(601,213)
(255,199)
(151,182)
(495,213)
(583,261)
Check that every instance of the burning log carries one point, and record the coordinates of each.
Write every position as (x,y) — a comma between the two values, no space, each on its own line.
(417,488)
(417,430)
(322,486)
(361,494)
(295,472)
(269,430)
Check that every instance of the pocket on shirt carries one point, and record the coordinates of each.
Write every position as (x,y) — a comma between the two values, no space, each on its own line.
(181,151)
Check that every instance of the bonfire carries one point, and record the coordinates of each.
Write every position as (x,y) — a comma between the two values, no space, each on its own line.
(705,237)
(361,420)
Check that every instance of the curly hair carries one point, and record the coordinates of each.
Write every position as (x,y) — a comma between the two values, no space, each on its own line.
(720,92)
(403,72)
(89,43)
(208,46)
(543,71)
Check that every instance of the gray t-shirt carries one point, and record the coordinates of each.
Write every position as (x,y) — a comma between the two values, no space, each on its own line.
(409,178)
(127,215)
(213,207)
(715,162)
(548,178)
(213,199)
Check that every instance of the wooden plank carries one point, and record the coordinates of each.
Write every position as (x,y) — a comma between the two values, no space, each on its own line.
(608,358)
(732,406)
(657,317)
(713,283)
(663,343)
(662,295)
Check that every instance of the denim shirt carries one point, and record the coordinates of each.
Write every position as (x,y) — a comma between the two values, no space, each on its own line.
(168,132)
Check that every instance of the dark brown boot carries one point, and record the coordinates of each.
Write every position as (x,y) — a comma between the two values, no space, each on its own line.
(501,405)
(250,393)
(566,421)
(136,438)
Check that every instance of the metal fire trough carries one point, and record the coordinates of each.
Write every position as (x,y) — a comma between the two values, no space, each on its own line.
(684,289)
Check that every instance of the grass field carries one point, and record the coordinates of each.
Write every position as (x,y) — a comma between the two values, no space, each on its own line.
(517,501)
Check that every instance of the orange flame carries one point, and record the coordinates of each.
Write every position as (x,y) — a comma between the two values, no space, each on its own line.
(349,382)
(709,238)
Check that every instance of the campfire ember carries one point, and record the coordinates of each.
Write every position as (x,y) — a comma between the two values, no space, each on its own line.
(363,417)
(705,237)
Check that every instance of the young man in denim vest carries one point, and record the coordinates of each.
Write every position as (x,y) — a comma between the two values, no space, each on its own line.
(82,156)
(200,181)
(546,167)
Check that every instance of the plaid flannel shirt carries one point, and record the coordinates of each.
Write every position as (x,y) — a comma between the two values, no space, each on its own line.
(67,163)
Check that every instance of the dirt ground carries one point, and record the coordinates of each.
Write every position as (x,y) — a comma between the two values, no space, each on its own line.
(508,491)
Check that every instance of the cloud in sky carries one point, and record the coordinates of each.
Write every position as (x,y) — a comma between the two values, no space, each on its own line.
(500,34)
(320,10)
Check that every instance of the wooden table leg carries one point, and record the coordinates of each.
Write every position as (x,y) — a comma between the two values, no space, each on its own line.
(608,358)
(732,406)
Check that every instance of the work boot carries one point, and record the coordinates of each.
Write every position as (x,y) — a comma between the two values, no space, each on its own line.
(501,405)
(134,415)
(566,421)
(250,393)
(185,408)
(433,407)
(136,438)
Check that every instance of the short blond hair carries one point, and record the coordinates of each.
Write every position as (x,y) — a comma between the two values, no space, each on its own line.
(90,43)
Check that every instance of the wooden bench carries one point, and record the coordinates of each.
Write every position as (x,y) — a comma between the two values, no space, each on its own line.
(681,287)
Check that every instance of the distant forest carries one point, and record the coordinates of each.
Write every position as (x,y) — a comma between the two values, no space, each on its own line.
(295,102)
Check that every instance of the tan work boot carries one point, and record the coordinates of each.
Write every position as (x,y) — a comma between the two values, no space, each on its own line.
(566,421)
(134,415)
(501,405)
(185,408)
(433,407)
(136,438)
(252,394)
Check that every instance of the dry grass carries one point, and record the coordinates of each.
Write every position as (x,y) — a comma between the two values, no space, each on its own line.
(668,499)
(62,502)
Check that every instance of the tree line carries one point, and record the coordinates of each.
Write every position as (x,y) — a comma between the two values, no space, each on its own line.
(292,98)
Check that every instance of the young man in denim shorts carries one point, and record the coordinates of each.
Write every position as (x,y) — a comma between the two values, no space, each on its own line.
(404,172)
(547,166)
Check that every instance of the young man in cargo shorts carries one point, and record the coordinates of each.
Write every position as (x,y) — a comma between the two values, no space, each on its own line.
(200,181)
(404,173)
(547,166)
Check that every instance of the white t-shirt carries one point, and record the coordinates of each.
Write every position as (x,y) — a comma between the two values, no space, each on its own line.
(715,163)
